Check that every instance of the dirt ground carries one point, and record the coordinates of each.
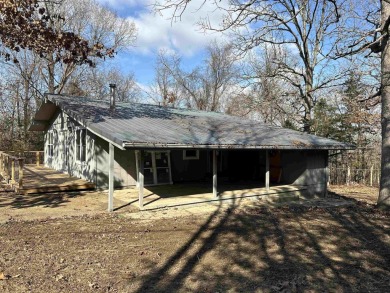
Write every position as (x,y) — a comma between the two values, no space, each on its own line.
(338,244)
(82,203)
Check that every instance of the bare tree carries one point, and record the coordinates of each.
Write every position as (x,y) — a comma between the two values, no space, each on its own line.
(51,42)
(206,86)
(376,40)
(310,28)
(268,97)
(165,90)
(101,26)
(19,98)
(94,83)
(384,45)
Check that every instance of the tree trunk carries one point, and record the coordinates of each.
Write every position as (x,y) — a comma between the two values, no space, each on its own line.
(51,73)
(307,120)
(384,193)
(307,98)
(26,116)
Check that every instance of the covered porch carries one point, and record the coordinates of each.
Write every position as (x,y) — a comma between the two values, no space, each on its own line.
(155,165)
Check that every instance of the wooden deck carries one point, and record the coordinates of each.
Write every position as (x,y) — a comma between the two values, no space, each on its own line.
(39,179)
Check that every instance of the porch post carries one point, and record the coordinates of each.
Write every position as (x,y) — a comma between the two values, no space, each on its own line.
(267,170)
(141,180)
(137,167)
(326,171)
(154,167)
(215,192)
(13,170)
(1,164)
(111,178)
(21,166)
(169,166)
(37,157)
(7,167)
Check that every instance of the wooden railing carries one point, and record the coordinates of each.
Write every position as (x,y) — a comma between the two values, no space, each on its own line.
(30,157)
(11,170)
(12,164)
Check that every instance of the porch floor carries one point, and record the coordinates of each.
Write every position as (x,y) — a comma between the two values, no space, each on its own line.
(39,179)
(175,195)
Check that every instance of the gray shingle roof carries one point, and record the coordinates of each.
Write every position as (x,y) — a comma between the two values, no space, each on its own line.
(143,125)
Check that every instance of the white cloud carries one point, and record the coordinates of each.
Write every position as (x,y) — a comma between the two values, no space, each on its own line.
(156,32)
(118,4)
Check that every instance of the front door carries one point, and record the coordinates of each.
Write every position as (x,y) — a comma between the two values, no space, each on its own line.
(162,167)
(157,169)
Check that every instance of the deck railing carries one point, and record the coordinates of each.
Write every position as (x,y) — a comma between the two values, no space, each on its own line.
(30,157)
(12,164)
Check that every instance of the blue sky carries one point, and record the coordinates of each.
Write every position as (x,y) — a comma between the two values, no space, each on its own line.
(157,32)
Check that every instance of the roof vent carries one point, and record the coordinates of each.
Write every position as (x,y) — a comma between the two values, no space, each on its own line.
(112,96)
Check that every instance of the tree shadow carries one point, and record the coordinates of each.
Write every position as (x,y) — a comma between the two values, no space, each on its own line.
(49,200)
(280,249)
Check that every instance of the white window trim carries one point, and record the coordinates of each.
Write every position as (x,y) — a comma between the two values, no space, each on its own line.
(80,146)
(185,157)
(51,145)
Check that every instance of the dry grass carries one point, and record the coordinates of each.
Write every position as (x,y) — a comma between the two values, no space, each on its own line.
(357,192)
(253,248)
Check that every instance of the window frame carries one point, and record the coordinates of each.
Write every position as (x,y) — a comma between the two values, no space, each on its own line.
(186,157)
(80,148)
(50,144)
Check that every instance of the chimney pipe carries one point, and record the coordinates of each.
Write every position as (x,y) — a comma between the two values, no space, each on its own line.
(112,95)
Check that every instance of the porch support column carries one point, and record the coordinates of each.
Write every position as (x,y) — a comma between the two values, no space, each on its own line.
(267,170)
(215,192)
(326,171)
(111,178)
(141,180)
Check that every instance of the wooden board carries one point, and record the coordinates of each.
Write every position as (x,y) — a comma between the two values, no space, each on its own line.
(39,179)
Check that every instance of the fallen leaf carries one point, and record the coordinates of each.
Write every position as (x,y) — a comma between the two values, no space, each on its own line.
(4,276)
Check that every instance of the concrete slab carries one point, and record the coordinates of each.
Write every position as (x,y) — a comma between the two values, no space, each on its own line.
(191,194)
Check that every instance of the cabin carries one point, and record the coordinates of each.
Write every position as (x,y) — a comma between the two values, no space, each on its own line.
(120,145)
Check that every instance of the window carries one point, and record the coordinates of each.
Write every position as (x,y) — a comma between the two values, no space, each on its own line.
(81,145)
(55,143)
(190,155)
(50,145)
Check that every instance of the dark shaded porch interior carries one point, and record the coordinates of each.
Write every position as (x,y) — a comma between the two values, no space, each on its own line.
(242,168)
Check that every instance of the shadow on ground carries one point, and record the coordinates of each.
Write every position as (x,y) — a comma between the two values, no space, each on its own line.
(241,248)
(50,200)
(289,249)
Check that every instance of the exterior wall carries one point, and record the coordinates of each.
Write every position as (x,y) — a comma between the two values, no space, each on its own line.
(125,173)
(63,158)
(306,168)
(189,170)
(95,167)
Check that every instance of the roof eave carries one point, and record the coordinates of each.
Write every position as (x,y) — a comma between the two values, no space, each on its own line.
(150,145)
